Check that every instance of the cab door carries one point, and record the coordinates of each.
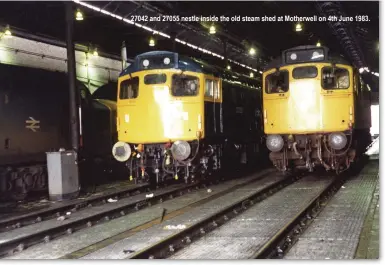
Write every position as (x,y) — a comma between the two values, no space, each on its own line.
(213,107)
(275,101)
(337,99)
(127,111)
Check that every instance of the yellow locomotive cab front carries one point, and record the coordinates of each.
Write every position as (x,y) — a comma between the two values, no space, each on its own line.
(148,100)
(305,106)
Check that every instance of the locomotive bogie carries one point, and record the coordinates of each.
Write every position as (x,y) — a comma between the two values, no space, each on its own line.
(333,151)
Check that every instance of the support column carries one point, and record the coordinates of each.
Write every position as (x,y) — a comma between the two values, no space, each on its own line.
(71,67)
(62,166)
(123,54)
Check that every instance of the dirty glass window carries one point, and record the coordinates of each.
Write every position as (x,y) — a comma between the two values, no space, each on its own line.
(184,85)
(335,78)
(154,79)
(277,82)
(212,89)
(305,72)
(129,88)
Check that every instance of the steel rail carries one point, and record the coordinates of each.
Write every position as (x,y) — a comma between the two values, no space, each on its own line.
(19,244)
(284,239)
(167,216)
(76,205)
(171,244)
(287,235)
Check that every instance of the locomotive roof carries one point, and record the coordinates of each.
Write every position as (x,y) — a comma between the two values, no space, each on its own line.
(185,63)
(329,58)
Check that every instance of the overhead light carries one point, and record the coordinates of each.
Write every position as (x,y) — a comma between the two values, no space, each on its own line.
(251,74)
(228,67)
(7,32)
(318,44)
(252,51)
(79,15)
(212,29)
(298,27)
(361,70)
(151,42)
(375,73)
(95,53)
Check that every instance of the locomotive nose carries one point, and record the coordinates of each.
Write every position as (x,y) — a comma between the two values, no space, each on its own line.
(121,151)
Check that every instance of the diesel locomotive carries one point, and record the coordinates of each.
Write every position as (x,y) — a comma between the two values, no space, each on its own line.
(34,119)
(316,110)
(178,117)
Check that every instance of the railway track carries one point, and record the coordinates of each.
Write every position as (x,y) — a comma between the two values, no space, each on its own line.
(84,216)
(194,239)
(169,246)
(261,217)
(15,222)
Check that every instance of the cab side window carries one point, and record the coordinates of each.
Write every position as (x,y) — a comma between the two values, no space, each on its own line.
(335,78)
(356,83)
(365,90)
(277,82)
(184,85)
(129,88)
(212,89)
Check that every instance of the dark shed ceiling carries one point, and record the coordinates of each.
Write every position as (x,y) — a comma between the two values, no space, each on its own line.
(269,38)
